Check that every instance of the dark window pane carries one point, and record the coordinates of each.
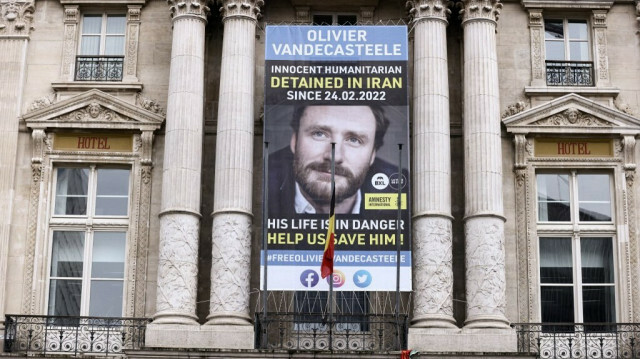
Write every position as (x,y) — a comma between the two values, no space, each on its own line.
(71,191)
(108,255)
(597,260)
(598,305)
(556,264)
(554,212)
(66,254)
(64,297)
(557,307)
(553,29)
(322,19)
(347,19)
(106,298)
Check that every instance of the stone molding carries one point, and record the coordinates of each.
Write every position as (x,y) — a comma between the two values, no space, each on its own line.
(568,4)
(303,15)
(366,15)
(16,18)
(638,14)
(249,9)
(487,10)
(601,61)
(70,42)
(536,32)
(133,31)
(527,125)
(429,9)
(76,113)
(230,269)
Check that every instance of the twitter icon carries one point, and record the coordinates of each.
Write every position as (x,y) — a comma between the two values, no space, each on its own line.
(362,278)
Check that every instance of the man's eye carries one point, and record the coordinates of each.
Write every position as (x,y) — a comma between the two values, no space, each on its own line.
(354,140)
(318,134)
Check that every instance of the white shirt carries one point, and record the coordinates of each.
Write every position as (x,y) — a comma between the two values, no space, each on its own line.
(303,206)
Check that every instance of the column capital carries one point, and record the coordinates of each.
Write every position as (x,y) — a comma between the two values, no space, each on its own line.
(16,18)
(193,8)
(429,9)
(241,8)
(480,10)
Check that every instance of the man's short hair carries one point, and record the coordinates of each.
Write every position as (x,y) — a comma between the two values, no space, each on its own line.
(382,123)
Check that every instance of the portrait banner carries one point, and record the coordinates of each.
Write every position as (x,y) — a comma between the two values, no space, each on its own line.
(346,86)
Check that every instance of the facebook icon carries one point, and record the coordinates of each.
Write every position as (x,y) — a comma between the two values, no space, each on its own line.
(309,278)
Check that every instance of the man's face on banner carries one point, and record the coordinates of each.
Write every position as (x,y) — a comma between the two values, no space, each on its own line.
(353,129)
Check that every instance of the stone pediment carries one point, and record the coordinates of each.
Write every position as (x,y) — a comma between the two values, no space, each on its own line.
(572,114)
(93,109)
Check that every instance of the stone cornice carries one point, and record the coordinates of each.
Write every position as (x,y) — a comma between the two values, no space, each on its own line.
(16,18)
(568,4)
(488,10)
(429,9)
(193,8)
(240,8)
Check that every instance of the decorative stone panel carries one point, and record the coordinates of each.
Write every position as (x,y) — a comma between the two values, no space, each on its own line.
(16,18)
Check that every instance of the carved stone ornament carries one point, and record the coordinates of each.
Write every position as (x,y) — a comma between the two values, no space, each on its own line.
(230,269)
(303,14)
(480,9)
(16,17)
(514,109)
(420,9)
(624,107)
(241,8)
(535,17)
(42,102)
(150,105)
(93,112)
(638,14)
(573,117)
(178,263)
(485,266)
(366,14)
(433,274)
(188,7)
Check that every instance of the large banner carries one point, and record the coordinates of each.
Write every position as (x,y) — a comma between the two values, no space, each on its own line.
(345,85)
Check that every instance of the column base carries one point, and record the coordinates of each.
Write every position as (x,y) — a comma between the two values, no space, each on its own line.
(178,318)
(206,336)
(427,340)
(434,321)
(228,318)
(486,321)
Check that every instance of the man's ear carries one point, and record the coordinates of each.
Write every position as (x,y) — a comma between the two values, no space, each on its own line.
(292,143)
(373,157)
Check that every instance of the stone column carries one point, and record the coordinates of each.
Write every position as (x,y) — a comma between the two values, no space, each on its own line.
(15,27)
(180,216)
(484,220)
(232,215)
(432,242)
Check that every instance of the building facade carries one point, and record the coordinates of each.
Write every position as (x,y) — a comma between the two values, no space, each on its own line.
(131,171)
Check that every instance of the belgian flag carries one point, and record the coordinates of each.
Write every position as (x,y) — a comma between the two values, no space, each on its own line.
(327,259)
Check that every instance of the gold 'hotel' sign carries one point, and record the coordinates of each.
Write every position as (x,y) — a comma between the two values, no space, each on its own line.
(573,147)
(92,142)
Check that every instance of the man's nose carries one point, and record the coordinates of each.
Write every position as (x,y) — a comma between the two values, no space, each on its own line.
(339,152)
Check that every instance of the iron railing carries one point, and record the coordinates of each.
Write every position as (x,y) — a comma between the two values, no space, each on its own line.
(570,73)
(579,341)
(41,334)
(354,332)
(99,68)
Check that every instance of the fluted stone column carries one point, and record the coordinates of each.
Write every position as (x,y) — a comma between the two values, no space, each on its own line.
(15,28)
(180,216)
(232,216)
(432,240)
(484,220)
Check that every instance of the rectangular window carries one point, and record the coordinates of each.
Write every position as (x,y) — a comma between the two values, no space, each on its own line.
(88,249)
(335,19)
(568,52)
(101,53)
(350,310)
(577,275)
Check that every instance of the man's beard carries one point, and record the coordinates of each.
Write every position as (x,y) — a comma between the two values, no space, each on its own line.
(320,191)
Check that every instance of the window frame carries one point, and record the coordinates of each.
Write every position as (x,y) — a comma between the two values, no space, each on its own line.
(89,224)
(103,32)
(576,230)
(566,40)
(334,17)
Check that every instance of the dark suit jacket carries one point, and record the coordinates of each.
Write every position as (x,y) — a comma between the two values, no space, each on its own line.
(282,184)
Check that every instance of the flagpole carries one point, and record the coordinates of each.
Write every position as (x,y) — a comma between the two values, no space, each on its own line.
(265,234)
(398,234)
(333,184)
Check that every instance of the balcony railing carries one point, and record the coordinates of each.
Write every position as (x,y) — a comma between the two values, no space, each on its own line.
(293,331)
(40,334)
(99,68)
(579,341)
(570,73)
